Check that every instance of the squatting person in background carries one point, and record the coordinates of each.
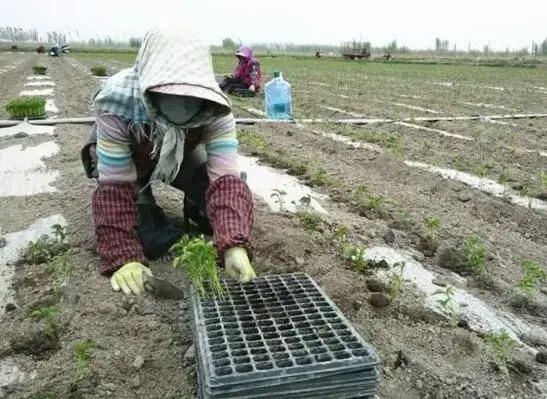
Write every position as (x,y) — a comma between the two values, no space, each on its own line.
(165,119)
(247,75)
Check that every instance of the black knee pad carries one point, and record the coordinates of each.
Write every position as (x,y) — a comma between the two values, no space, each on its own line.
(195,206)
(157,235)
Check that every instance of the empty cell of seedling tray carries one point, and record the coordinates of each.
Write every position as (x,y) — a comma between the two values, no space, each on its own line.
(279,335)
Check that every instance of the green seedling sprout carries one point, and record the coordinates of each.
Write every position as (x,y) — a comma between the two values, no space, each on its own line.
(319,178)
(279,196)
(534,275)
(482,171)
(83,353)
(512,141)
(432,225)
(475,254)
(543,178)
(501,344)
(460,163)
(356,256)
(46,248)
(252,140)
(448,307)
(47,314)
(59,232)
(395,145)
(341,234)
(62,267)
(504,178)
(309,220)
(396,280)
(197,257)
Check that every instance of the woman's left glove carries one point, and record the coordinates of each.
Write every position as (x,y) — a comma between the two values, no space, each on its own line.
(238,265)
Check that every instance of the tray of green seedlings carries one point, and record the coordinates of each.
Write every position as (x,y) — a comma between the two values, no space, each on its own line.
(98,70)
(27,107)
(39,70)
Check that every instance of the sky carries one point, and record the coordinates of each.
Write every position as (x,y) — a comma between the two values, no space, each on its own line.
(413,23)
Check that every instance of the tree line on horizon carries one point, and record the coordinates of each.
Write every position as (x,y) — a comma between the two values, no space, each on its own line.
(20,35)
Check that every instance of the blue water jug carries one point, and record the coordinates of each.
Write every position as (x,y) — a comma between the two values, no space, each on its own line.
(278,98)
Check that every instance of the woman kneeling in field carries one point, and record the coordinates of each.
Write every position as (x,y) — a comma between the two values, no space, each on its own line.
(247,76)
(165,119)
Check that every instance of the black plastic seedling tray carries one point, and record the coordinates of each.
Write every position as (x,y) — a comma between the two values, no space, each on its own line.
(277,336)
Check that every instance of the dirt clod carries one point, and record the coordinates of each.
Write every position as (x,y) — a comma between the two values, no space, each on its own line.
(541,357)
(138,363)
(379,300)
(35,343)
(10,307)
(439,281)
(136,381)
(378,265)
(190,355)
(465,196)
(402,359)
(389,237)
(3,242)
(428,247)
(376,285)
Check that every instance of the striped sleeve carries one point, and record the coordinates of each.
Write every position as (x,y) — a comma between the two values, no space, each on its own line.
(222,148)
(115,163)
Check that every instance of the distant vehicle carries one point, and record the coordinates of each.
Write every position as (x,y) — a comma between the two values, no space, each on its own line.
(56,50)
(353,50)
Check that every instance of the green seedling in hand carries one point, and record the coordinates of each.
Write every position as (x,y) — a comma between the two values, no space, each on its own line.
(197,257)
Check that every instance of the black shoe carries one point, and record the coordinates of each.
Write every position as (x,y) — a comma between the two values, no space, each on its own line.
(156,234)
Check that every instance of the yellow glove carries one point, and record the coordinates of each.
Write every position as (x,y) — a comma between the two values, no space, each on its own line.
(238,266)
(129,278)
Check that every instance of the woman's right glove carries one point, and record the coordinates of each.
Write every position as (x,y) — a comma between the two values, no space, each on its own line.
(129,278)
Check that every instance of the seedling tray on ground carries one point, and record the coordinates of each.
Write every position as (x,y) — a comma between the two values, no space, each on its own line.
(279,336)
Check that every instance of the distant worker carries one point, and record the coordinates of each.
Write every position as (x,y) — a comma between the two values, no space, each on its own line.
(318,54)
(40,49)
(247,76)
(54,51)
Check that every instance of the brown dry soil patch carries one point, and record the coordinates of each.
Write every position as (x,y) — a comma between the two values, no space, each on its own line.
(141,344)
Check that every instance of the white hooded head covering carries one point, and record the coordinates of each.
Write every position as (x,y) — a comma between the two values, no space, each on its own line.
(173,72)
